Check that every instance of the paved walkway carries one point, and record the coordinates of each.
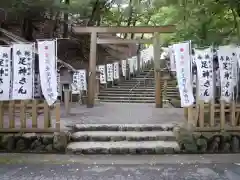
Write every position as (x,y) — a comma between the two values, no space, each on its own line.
(40,167)
(121,113)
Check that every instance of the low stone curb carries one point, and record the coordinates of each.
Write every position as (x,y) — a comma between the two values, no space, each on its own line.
(34,142)
(207,142)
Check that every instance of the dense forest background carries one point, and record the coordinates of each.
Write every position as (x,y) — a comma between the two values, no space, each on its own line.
(205,22)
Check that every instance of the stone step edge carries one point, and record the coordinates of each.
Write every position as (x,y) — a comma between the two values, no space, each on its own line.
(123,136)
(122,127)
(128,98)
(123,147)
(127,101)
(131,101)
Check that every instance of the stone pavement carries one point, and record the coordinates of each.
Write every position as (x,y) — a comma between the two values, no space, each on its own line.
(50,167)
(122,113)
(119,172)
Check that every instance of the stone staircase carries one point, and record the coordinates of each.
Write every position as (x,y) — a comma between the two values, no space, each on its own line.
(122,139)
(139,89)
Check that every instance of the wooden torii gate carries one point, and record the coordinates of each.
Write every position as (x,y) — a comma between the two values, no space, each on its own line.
(137,29)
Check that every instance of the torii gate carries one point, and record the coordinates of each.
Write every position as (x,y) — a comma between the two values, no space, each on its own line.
(156,30)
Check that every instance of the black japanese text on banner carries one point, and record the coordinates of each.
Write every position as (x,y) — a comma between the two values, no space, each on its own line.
(116,70)
(22,71)
(102,70)
(124,67)
(37,86)
(48,73)
(225,58)
(59,90)
(183,59)
(109,72)
(5,72)
(83,80)
(76,83)
(172,59)
(204,62)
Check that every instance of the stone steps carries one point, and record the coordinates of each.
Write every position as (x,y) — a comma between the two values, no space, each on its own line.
(128,101)
(139,89)
(122,139)
(142,81)
(111,92)
(131,87)
(118,89)
(122,94)
(133,96)
(123,147)
(123,136)
(122,127)
(128,97)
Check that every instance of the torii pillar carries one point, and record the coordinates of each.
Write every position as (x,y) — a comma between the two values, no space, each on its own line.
(92,70)
(157,70)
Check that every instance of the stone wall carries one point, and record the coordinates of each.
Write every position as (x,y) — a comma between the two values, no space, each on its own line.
(34,142)
(207,142)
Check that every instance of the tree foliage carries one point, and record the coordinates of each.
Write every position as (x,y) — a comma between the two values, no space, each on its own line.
(205,22)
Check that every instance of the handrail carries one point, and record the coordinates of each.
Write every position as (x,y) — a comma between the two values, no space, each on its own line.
(138,83)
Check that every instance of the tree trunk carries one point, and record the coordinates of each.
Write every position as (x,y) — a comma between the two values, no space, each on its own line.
(129,16)
(65,25)
(134,24)
(27,29)
(95,9)
(236,23)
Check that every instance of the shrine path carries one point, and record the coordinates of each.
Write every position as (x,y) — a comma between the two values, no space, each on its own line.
(120,113)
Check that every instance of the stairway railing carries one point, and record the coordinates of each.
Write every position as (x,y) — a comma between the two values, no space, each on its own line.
(138,83)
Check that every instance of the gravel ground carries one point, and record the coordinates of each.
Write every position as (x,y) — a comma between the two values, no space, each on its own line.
(122,113)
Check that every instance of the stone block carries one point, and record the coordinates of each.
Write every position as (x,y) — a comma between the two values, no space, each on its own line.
(60,141)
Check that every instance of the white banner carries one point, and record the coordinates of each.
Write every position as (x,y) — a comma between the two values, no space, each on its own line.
(75,89)
(183,59)
(134,59)
(217,78)
(131,65)
(204,62)
(102,74)
(83,80)
(109,72)
(172,59)
(143,55)
(59,90)
(48,73)
(124,67)
(5,73)
(225,59)
(37,86)
(76,83)
(22,71)
(116,70)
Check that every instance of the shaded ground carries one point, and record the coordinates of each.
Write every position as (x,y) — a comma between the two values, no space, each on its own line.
(120,113)
(46,167)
